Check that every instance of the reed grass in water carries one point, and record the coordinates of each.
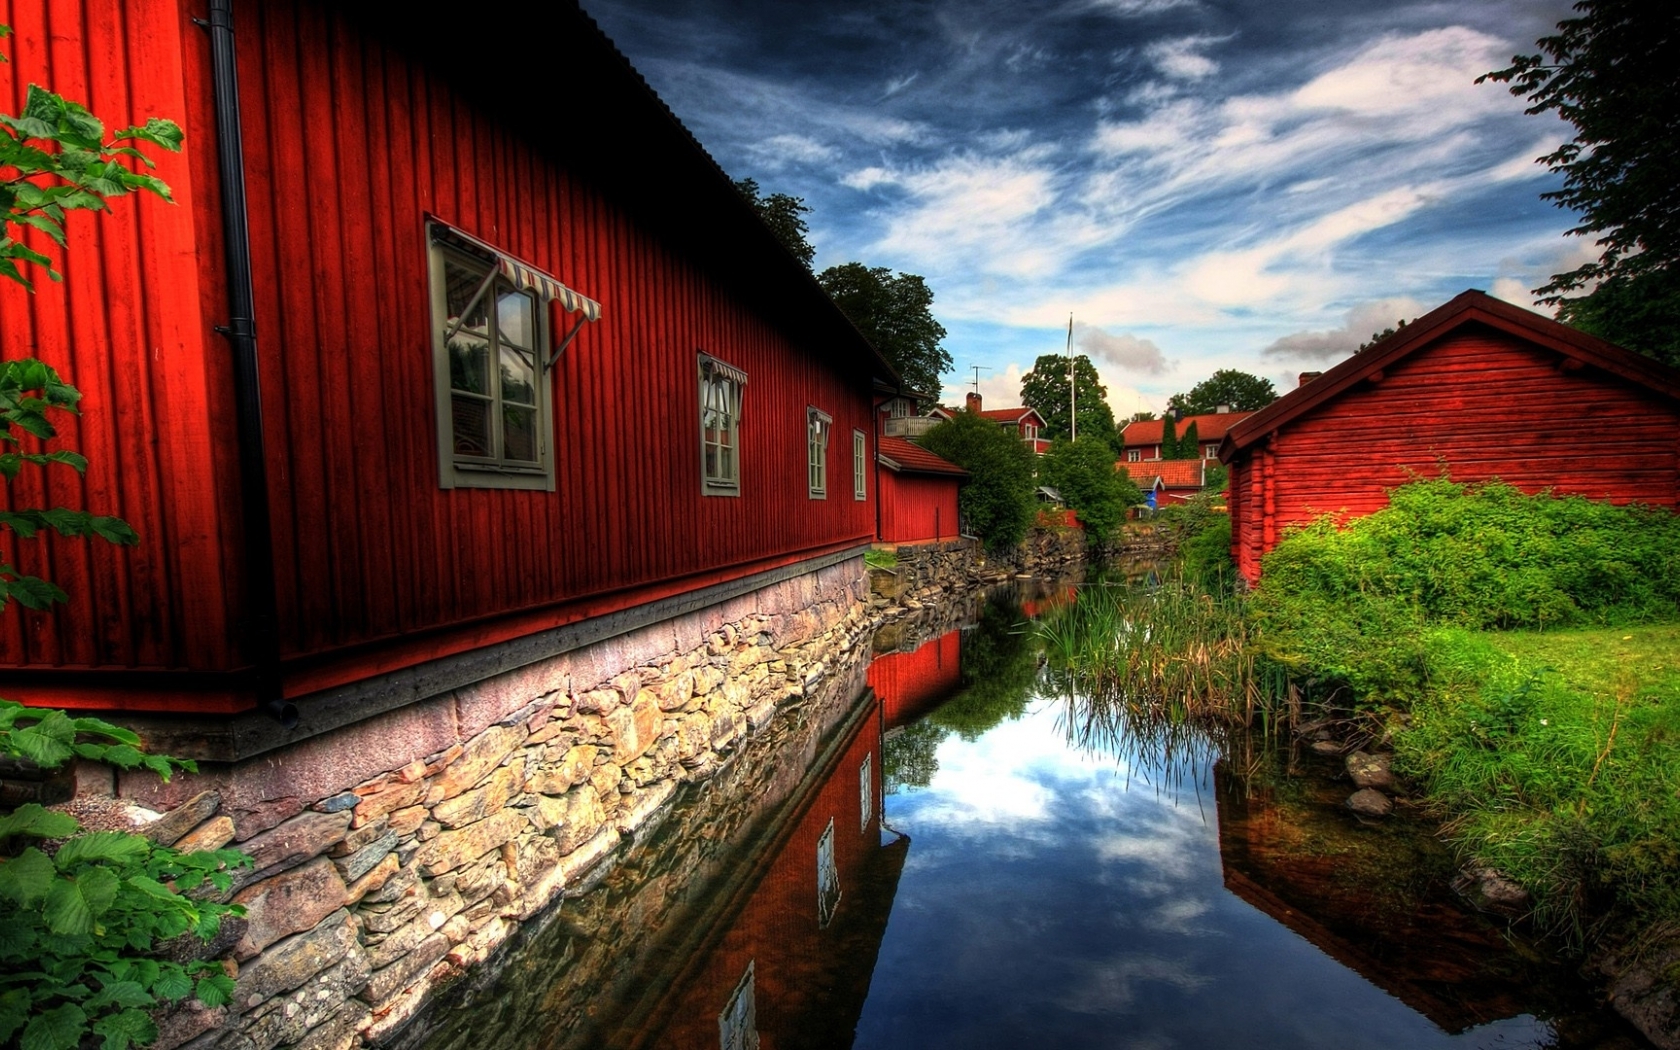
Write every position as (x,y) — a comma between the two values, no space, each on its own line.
(1171,647)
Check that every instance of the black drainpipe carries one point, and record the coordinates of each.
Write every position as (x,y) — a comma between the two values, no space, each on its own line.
(262,628)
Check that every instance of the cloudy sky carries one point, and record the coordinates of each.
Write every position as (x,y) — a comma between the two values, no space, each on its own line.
(1252,184)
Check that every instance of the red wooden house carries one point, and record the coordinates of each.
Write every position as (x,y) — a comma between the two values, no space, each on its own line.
(437,485)
(1477,387)
(1024,423)
(1142,437)
(916,495)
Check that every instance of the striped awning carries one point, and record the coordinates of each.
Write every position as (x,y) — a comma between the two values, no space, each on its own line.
(530,279)
(524,276)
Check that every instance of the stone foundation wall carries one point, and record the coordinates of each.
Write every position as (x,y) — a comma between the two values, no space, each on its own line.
(395,855)
(928,572)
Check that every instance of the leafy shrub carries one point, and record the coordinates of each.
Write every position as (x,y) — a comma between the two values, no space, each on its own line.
(79,921)
(997,503)
(1351,605)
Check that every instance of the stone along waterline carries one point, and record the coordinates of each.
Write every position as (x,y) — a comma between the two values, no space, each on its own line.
(973,856)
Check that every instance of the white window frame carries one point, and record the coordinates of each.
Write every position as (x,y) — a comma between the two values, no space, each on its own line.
(828,877)
(860,466)
(722,391)
(496,469)
(1210,450)
(1029,432)
(1134,455)
(818,424)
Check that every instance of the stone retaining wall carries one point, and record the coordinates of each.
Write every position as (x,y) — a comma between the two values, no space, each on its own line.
(393,856)
(927,572)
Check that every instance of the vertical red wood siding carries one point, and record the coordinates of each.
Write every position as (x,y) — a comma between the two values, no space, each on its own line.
(125,326)
(914,683)
(917,508)
(349,146)
(1479,403)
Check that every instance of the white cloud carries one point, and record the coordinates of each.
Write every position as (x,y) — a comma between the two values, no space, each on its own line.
(1363,321)
(1181,59)
(1138,8)
(778,151)
(897,84)
(1123,351)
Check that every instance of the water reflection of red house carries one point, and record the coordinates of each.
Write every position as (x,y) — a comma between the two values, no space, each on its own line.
(795,960)
(1430,954)
(1033,608)
(914,683)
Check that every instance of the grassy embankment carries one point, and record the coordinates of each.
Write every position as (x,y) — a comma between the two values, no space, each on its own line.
(1521,653)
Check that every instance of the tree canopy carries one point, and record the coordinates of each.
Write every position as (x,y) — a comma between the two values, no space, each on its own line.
(1609,72)
(1083,472)
(997,504)
(1045,388)
(785,215)
(1239,390)
(895,313)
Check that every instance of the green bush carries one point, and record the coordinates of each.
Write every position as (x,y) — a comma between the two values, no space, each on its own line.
(997,503)
(1351,606)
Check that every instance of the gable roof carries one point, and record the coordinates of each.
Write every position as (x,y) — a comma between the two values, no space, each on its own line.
(1168,473)
(1470,307)
(907,457)
(1210,427)
(1010,415)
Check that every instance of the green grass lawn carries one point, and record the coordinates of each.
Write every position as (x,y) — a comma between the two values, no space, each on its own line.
(1556,758)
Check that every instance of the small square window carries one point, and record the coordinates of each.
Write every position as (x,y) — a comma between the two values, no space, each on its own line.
(720,426)
(817,424)
(1134,455)
(860,465)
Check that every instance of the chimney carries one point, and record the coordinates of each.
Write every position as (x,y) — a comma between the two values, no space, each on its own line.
(974,402)
(1307,377)
(1224,410)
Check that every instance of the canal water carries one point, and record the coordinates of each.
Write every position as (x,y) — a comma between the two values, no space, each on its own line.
(969,853)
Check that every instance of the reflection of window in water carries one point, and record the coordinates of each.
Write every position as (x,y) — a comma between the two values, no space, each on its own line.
(738,1024)
(828,877)
(866,790)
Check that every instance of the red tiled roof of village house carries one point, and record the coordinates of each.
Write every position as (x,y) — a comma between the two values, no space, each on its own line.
(1212,427)
(1009,415)
(907,456)
(1174,473)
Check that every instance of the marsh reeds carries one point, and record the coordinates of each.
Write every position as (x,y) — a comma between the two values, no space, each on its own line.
(1170,648)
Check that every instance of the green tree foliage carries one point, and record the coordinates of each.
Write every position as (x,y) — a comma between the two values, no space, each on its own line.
(1169,437)
(997,503)
(1083,472)
(785,215)
(1188,445)
(1640,313)
(1241,391)
(1142,417)
(1045,389)
(1377,337)
(1609,72)
(895,313)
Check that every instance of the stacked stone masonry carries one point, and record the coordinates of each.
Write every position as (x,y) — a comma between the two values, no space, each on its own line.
(934,572)
(391,857)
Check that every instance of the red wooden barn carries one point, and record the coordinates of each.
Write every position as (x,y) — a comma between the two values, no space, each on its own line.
(438,486)
(916,493)
(1477,387)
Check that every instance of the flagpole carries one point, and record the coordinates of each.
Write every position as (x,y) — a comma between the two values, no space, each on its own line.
(1073,389)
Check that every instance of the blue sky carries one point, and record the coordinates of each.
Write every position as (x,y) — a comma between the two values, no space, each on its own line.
(1201,185)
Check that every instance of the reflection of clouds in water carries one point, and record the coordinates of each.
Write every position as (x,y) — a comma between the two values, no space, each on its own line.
(1111,987)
